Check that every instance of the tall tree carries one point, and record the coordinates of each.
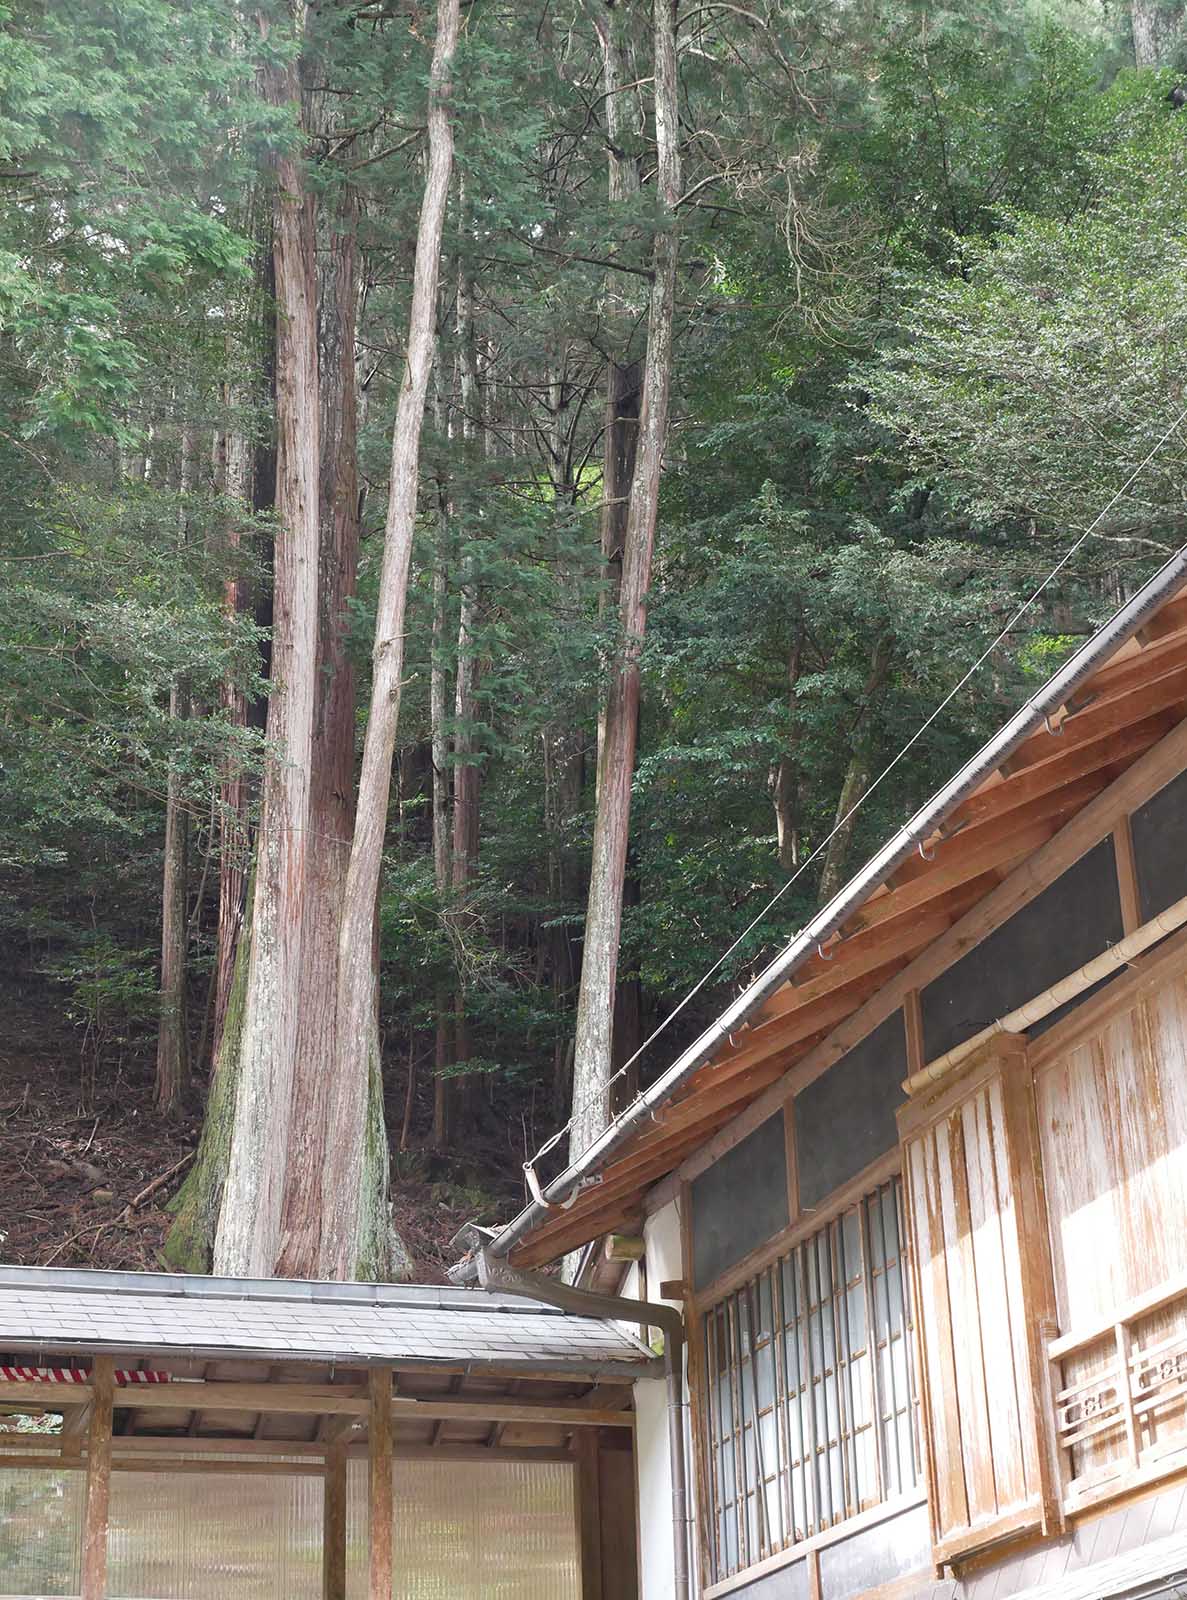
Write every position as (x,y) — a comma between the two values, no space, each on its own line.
(616,759)
(1157,31)
(249,1230)
(173,1064)
(331,806)
(343,1213)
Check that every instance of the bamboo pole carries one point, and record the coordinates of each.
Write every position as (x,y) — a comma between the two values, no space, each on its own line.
(1070,988)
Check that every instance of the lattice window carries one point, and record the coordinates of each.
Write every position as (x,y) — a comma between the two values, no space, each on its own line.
(808,1389)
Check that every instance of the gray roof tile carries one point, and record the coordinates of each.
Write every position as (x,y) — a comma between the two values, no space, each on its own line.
(71,1309)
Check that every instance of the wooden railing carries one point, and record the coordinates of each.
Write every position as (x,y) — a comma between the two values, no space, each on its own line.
(1119,1391)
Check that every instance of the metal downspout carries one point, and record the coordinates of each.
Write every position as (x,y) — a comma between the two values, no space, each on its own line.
(1091,655)
(497,1276)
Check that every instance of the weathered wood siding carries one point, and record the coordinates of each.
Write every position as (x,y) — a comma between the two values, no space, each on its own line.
(972,1185)
(1113,1129)
(1113,1124)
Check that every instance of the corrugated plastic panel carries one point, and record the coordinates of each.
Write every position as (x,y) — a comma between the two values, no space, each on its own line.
(469,1531)
(463,1531)
(214,1535)
(40,1524)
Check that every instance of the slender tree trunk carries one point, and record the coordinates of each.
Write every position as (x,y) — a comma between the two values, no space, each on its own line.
(467,776)
(172,1038)
(342,1199)
(616,763)
(233,844)
(564,767)
(249,1230)
(442,1083)
(173,1053)
(785,780)
(623,376)
(857,779)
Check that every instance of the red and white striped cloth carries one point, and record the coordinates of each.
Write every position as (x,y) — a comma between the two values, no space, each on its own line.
(123,1376)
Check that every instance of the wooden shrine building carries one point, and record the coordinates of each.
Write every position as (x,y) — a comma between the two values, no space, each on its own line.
(920,1192)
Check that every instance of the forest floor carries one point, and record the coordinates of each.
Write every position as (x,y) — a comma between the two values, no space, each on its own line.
(87,1168)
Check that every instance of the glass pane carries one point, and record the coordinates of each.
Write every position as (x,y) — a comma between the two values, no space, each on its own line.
(808,1371)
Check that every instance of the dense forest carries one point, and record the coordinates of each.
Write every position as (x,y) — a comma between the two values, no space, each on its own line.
(487,491)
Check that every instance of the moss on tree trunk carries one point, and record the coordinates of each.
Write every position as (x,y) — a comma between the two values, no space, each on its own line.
(189,1246)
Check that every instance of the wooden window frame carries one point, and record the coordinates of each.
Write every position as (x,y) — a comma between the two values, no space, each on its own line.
(795,1481)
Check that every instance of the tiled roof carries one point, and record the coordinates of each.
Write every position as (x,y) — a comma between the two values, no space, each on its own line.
(46,1309)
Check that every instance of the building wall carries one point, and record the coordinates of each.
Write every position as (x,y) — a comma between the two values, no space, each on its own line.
(663,1261)
(1043,1177)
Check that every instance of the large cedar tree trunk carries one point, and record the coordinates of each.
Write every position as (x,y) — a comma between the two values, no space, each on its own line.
(331,795)
(616,759)
(248,1240)
(1157,31)
(343,1204)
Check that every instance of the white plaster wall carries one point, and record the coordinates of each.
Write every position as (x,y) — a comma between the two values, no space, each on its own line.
(656,1565)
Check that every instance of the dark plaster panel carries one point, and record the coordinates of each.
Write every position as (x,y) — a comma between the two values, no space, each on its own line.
(845,1119)
(1074,919)
(740,1202)
(878,1555)
(1160,847)
(788,1583)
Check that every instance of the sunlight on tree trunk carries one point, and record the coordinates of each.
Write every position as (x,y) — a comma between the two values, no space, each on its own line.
(249,1230)
(616,762)
(341,1193)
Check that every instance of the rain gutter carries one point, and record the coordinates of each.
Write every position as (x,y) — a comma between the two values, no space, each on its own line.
(911,838)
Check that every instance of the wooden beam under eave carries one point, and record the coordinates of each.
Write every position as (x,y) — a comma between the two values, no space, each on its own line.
(1063,766)
(333,1582)
(97,1499)
(1165,685)
(1132,666)
(1149,772)
(380,1501)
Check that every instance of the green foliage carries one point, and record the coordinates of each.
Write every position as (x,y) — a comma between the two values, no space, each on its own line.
(931,306)
(1033,388)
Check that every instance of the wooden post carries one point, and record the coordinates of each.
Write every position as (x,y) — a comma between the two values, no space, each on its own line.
(334,1524)
(98,1493)
(1127,876)
(1125,1394)
(379,1484)
(589,1513)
